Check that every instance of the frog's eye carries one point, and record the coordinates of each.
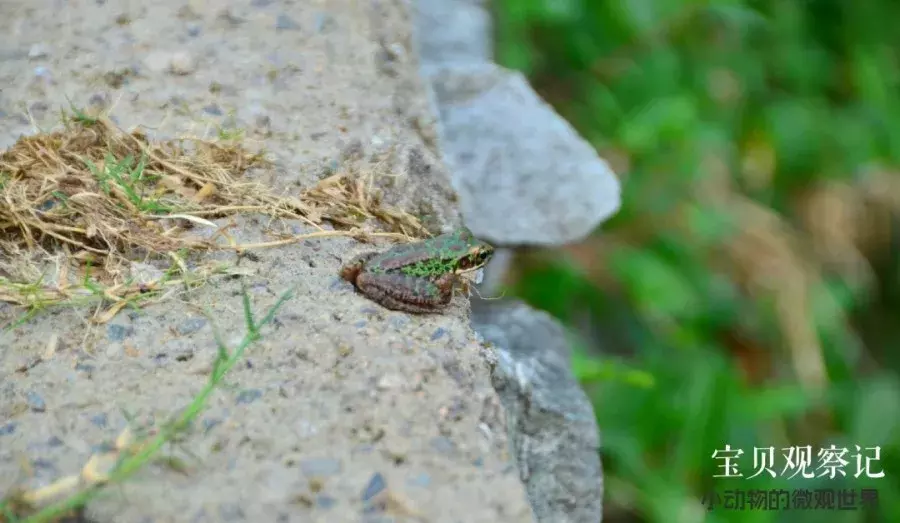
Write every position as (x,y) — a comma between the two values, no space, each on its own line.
(478,256)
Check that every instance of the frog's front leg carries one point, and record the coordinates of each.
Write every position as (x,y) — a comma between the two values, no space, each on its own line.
(403,292)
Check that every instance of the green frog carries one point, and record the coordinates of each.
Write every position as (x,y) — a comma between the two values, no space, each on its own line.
(417,277)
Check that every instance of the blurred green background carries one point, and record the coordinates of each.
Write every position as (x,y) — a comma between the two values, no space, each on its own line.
(747,291)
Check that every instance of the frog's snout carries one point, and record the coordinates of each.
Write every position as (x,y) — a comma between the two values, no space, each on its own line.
(350,271)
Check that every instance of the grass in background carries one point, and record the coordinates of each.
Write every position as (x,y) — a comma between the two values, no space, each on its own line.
(745,293)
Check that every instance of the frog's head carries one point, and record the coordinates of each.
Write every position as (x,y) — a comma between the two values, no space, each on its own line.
(477,253)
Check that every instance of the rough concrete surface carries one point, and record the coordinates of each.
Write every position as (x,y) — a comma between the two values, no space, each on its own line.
(340,400)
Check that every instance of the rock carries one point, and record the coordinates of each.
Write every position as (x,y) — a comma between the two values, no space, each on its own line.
(389,381)
(38,108)
(35,401)
(38,51)
(263,124)
(248,396)
(100,420)
(179,62)
(320,467)
(99,101)
(422,479)
(42,77)
(453,31)
(443,445)
(374,487)
(524,176)
(190,326)
(146,273)
(228,19)
(210,423)
(213,109)
(116,332)
(284,23)
(552,427)
(325,502)
(182,63)
(522,173)
(157,61)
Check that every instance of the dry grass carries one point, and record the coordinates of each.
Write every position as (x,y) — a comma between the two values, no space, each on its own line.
(78,206)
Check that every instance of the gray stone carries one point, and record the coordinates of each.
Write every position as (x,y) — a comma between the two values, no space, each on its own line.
(325,502)
(43,76)
(157,61)
(453,31)
(190,326)
(115,332)
(320,467)
(524,176)
(210,423)
(38,51)
(99,100)
(100,420)
(182,63)
(248,396)
(213,109)
(374,487)
(423,480)
(35,401)
(443,445)
(285,23)
(550,421)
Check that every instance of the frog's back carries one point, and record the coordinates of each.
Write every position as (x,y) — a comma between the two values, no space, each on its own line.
(445,246)
(399,256)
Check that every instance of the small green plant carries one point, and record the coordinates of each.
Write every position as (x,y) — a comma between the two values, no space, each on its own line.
(229,134)
(129,177)
(76,115)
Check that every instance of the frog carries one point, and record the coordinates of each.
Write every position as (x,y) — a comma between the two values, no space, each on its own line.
(417,277)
